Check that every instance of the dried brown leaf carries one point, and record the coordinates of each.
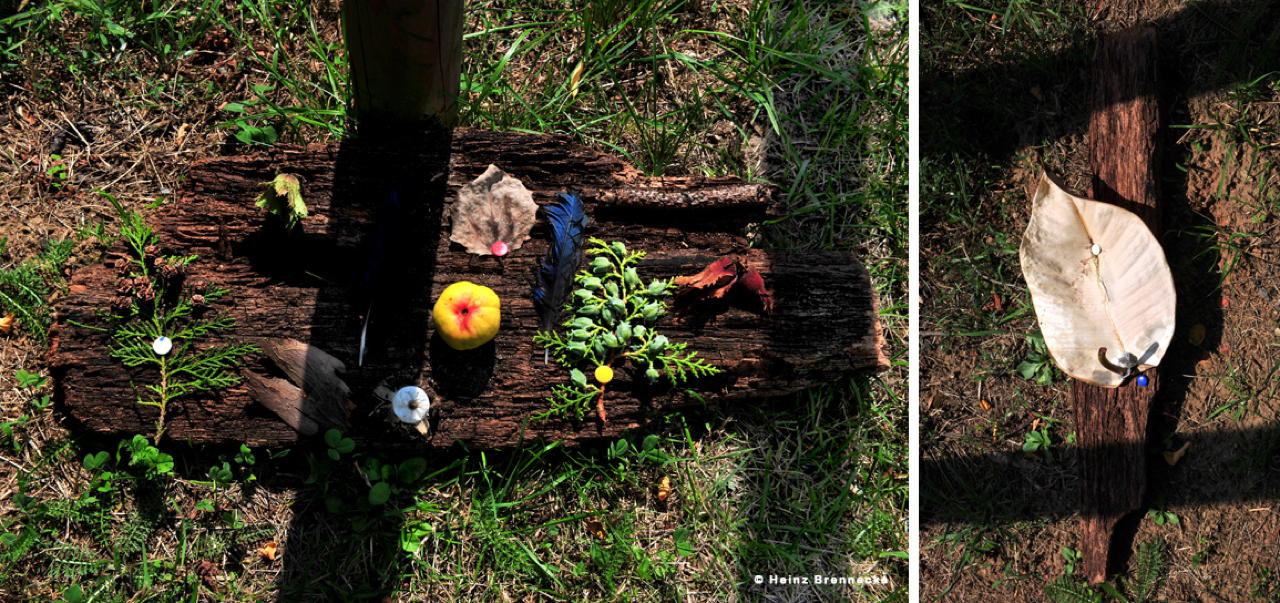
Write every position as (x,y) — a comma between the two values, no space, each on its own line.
(493,208)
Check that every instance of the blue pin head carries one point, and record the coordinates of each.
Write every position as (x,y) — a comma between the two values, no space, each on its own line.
(1142,380)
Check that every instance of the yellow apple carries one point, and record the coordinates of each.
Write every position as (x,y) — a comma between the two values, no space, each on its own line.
(467,315)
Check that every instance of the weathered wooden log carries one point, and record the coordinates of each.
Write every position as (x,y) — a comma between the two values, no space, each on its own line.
(1111,424)
(405,58)
(305,285)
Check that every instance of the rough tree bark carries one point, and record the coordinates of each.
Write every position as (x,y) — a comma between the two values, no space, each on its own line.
(1112,423)
(306,285)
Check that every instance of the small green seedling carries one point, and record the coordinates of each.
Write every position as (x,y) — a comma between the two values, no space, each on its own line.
(1162,517)
(1073,559)
(1038,441)
(338,445)
(1038,365)
(282,198)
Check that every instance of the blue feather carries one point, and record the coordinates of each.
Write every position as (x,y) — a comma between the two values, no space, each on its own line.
(555,277)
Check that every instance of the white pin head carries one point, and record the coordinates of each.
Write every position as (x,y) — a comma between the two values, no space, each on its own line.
(1096,249)
(162,345)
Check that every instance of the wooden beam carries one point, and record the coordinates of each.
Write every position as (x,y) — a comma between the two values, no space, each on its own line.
(1111,424)
(405,58)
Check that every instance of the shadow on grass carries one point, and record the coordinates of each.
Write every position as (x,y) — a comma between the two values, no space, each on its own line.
(1020,94)
(824,496)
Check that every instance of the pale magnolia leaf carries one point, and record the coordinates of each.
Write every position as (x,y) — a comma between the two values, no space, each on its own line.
(1099,281)
(493,208)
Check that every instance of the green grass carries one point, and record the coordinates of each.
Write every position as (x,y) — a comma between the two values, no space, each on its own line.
(810,98)
(25,287)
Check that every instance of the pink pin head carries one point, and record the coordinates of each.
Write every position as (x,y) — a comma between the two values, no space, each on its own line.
(499,248)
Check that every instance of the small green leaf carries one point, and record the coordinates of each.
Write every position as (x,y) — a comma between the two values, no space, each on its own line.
(619,448)
(412,469)
(283,199)
(28,380)
(379,494)
(94,461)
(684,546)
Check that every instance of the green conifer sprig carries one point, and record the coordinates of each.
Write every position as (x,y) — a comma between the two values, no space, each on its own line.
(154,303)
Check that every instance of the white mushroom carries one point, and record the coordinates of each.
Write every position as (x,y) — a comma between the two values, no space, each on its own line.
(411,405)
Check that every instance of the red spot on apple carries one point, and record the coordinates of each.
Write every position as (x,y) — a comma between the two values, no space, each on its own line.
(463,309)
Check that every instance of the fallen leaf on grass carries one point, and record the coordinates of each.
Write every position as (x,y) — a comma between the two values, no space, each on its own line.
(268,550)
(494,208)
(664,488)
(209,573)
(575,79)
(6,324)
(1173,456)
(595,528)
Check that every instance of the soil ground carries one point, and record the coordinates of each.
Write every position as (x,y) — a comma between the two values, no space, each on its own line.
(999,521)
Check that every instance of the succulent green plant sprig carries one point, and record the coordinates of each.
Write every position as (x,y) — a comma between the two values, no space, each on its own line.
(611,319)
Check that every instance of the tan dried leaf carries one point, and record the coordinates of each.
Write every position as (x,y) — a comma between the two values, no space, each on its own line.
(1100,284)
(495,207)
(1171,457)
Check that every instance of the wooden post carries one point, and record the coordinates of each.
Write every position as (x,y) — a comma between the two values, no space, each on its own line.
(1111,424)
(405,58)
